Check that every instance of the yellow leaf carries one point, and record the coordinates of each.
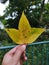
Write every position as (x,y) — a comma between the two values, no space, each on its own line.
(25,33)
(23,23)
(15,35)
(35,33)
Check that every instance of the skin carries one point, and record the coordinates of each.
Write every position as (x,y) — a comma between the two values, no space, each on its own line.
(15,56)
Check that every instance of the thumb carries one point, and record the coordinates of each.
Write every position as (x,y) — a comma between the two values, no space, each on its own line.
(19,52)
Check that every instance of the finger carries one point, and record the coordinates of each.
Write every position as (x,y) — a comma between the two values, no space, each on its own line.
(24,57)
(12,51)
(19,52)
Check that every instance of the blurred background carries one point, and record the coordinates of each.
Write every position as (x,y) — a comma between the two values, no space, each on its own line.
(37,12)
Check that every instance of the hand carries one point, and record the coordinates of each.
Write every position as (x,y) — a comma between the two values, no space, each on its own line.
(15,56)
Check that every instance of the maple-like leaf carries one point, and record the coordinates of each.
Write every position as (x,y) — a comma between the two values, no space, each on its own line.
(25,33)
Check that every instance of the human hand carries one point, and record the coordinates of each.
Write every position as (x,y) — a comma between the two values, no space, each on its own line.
(15,56)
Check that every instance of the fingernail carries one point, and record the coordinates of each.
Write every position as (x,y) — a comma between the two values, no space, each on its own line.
(25,58)
(24,47)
